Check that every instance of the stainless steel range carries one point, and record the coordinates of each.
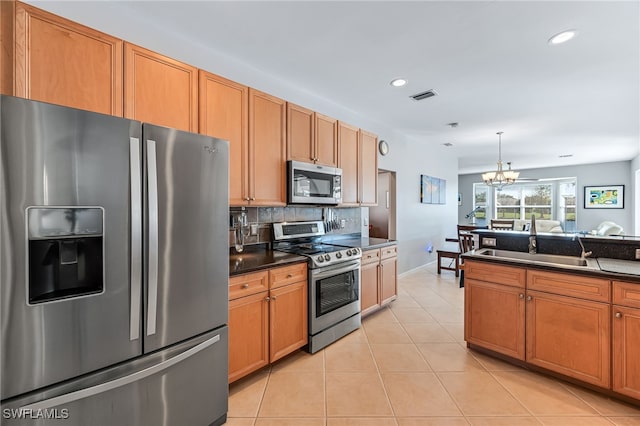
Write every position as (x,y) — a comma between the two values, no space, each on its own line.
(334,281)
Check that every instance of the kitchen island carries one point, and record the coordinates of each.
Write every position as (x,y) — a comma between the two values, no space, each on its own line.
(563,315)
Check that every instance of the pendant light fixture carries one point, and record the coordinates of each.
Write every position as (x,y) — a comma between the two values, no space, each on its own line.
(500,178)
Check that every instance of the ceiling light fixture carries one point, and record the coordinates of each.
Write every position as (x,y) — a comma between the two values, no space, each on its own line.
(398,82)
(563,37)
(500,178)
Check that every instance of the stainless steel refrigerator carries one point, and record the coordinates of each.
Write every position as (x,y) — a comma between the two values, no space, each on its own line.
(113,268)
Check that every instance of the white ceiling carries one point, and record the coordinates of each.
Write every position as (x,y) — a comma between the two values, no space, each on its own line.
(489,62)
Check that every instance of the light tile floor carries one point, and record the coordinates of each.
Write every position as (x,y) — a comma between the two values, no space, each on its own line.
(409,366)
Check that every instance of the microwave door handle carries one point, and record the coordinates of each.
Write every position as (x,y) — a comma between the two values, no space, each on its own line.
(136,238)
(152,195)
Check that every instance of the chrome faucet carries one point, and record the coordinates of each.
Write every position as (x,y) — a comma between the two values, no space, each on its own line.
(533,243)
(584,254)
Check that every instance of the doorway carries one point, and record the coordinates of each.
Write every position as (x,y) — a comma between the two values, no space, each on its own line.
(382,218)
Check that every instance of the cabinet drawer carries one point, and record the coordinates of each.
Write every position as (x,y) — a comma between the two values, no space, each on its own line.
(390,251)
(288,275)
(499,274)
(626,294)
(370,256)
(595,289)
(247,284)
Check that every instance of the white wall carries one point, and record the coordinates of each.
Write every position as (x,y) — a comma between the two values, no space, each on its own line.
(418,225)
(421,225)
(635,177)
(615,173)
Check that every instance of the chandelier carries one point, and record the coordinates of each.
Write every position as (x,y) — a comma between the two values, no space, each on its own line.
(500,178)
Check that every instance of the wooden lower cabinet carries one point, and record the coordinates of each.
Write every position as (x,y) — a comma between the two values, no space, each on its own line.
(369,282)
(626,338)
(494,317)
(248,335)
(583,327)
(378,278)
(570,336)
(388,275)
(288,319)
(266,325)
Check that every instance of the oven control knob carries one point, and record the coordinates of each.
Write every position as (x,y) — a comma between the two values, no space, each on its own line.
(349,252)
(338,255)
(320,259)
(327,257)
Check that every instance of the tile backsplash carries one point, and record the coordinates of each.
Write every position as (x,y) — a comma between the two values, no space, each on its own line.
(262,217)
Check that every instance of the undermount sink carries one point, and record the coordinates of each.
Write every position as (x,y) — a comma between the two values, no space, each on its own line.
(553,259)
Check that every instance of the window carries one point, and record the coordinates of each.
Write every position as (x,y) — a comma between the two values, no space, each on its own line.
(567,205)
(480,204)
(553,199)
(520,201)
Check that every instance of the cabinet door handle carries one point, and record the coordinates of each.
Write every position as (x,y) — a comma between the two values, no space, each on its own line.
(245,285)
(521,296)
(529,298)
(267,299)
(273,298)
(252,198)
(289,275)
(618,315)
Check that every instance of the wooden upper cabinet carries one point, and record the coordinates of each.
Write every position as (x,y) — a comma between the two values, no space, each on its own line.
(311,137)
(160,90)
(62,62)
(300,133)
(267,149)
(224,113)
(348,162)
(326,140)
(368,169)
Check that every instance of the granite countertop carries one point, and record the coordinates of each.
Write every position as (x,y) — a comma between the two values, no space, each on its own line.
(363,243)
(628,270)
(257,258)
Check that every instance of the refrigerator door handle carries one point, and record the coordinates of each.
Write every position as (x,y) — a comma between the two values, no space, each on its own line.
(122,381)
(152,194)
(136,239)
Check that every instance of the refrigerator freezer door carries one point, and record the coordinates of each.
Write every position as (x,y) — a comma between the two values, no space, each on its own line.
(184,385)
(55,162)
(186,248)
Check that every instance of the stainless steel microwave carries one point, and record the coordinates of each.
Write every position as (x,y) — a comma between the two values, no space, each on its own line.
(313,184)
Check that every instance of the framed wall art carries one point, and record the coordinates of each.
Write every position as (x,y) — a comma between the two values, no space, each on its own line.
(604,197)
(433,190)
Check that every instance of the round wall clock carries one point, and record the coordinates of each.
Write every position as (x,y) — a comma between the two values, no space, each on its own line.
(383,147)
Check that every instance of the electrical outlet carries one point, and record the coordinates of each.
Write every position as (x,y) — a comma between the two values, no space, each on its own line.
(637,254)
(343,223)
(490,242)
(254,229)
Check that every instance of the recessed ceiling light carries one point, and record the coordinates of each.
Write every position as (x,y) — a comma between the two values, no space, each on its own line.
(398,82)
(563,37)
(447,144)
(565,155)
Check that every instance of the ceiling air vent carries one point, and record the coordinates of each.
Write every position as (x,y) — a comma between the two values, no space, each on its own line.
(424,95)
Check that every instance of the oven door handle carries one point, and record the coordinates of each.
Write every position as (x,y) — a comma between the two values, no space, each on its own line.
(337,270)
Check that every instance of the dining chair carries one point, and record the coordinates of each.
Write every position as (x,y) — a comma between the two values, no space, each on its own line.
(466,243)
(502,224)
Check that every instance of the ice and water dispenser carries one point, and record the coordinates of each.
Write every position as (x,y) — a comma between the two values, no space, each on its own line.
(65,252)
